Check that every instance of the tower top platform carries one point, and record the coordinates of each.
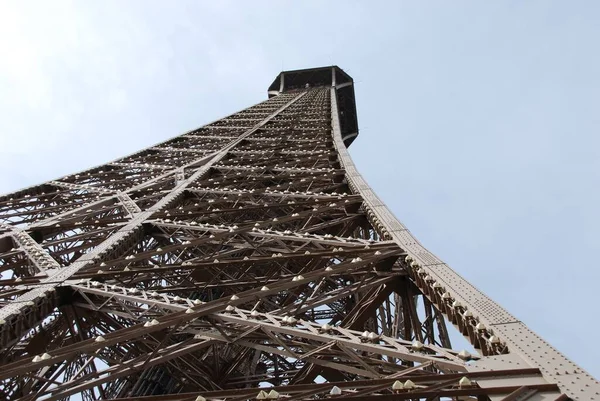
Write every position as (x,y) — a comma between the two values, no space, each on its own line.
(331,76)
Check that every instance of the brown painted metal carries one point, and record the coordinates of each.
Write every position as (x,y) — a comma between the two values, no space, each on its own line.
(243,255)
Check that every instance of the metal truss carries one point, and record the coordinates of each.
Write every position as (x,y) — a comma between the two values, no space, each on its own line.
(248,259)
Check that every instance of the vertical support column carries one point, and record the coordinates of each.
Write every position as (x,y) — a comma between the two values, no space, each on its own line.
(526,347)
(333,76)
(281,82)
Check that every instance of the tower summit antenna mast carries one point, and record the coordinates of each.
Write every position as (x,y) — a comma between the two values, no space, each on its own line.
(248,259)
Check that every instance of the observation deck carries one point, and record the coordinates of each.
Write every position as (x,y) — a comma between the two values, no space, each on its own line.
(332,76)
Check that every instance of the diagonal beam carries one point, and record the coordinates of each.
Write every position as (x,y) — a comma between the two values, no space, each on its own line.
(8,313)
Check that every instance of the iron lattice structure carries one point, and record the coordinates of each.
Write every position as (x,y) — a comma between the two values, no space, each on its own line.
(242,255)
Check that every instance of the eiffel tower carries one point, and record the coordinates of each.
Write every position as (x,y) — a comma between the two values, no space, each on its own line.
(248,259)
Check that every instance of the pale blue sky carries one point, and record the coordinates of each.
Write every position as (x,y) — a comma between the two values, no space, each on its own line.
(479,120)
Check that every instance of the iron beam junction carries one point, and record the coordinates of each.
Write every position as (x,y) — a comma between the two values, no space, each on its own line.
(267,203)
(53,281)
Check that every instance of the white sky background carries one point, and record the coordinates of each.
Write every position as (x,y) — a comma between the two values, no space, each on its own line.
(479,120)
